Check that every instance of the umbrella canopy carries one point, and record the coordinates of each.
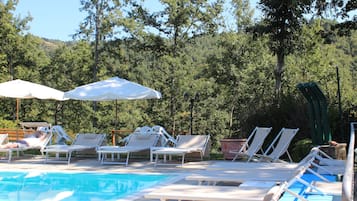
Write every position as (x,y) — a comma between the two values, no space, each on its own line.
(112,89)
(24,90)
(20,89)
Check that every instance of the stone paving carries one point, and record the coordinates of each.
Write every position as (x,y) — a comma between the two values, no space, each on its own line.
(37,163)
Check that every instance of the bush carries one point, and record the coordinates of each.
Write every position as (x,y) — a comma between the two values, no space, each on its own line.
(7,124)
(301,148)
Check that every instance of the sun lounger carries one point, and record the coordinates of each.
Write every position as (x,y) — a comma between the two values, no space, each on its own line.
(237,165)
(82,142)
(325,188)
(327,165)
(136,143)
(241,172)
(240,176)
(38,146)
(3,138)
(226,193)
(253,144)
(61,135)
(185,144)
(211,193)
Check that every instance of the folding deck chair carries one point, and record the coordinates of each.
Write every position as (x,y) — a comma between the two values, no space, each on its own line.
(279,146)
(253,144)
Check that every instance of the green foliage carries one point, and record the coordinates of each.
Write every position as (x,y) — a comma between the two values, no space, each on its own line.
(180,50)
(7,123)
(301,149)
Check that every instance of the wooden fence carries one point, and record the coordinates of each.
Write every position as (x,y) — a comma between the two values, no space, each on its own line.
(16,134)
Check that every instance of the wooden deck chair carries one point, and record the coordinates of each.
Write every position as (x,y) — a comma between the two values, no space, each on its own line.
(184,144)
(279,145)
(253,144)
(82,142)
(136,143)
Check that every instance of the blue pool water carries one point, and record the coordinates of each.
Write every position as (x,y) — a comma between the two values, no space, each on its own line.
(299,188)
(78,186)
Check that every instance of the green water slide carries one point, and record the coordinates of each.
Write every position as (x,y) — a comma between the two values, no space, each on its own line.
(319,123)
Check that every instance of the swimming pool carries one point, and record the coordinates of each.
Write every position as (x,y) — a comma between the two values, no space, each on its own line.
(299,188)
(73,186)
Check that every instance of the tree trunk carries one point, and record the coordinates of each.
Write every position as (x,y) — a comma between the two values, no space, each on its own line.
(279,70)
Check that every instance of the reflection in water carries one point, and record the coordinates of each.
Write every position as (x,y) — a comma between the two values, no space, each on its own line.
(23,186)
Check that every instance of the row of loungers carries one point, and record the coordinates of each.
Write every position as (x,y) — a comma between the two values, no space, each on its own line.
(136,142)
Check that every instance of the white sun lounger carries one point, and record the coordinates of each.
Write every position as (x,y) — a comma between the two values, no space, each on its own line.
(82,142)
(225,193)
(9,151)
(274,172)
(136,143)
(327,165)
(211,193)
(253,144)
(233,165)
(4,138)
(240,176)
(325,188)
(184,144)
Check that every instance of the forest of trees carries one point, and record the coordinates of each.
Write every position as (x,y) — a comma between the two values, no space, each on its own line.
(239,75)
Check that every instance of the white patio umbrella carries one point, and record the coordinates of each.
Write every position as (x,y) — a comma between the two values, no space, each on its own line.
(21,89)
(114,88)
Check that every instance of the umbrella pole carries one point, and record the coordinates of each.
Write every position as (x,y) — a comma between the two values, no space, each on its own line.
(116,114)
(17,109)
(115,124)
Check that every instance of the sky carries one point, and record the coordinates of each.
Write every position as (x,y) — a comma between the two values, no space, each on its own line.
(56,19)
(52,19)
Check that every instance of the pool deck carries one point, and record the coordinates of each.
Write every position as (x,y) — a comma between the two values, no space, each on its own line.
(93,165)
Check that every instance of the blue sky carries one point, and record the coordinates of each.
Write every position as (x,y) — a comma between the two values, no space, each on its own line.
(57,19)
(53,19)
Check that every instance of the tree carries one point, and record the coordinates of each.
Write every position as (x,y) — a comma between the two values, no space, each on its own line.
(175,27)
(105,21)
(243,14)
(241,72)
(11,52)
(282,22)
(69,68)
(341,11)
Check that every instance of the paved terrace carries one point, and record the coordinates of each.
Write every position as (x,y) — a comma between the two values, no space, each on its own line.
(91,164)
(27,163)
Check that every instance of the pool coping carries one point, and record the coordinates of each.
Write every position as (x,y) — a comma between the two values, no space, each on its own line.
(34,163)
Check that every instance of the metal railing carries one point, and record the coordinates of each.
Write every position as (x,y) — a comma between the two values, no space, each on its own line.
(348,177)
